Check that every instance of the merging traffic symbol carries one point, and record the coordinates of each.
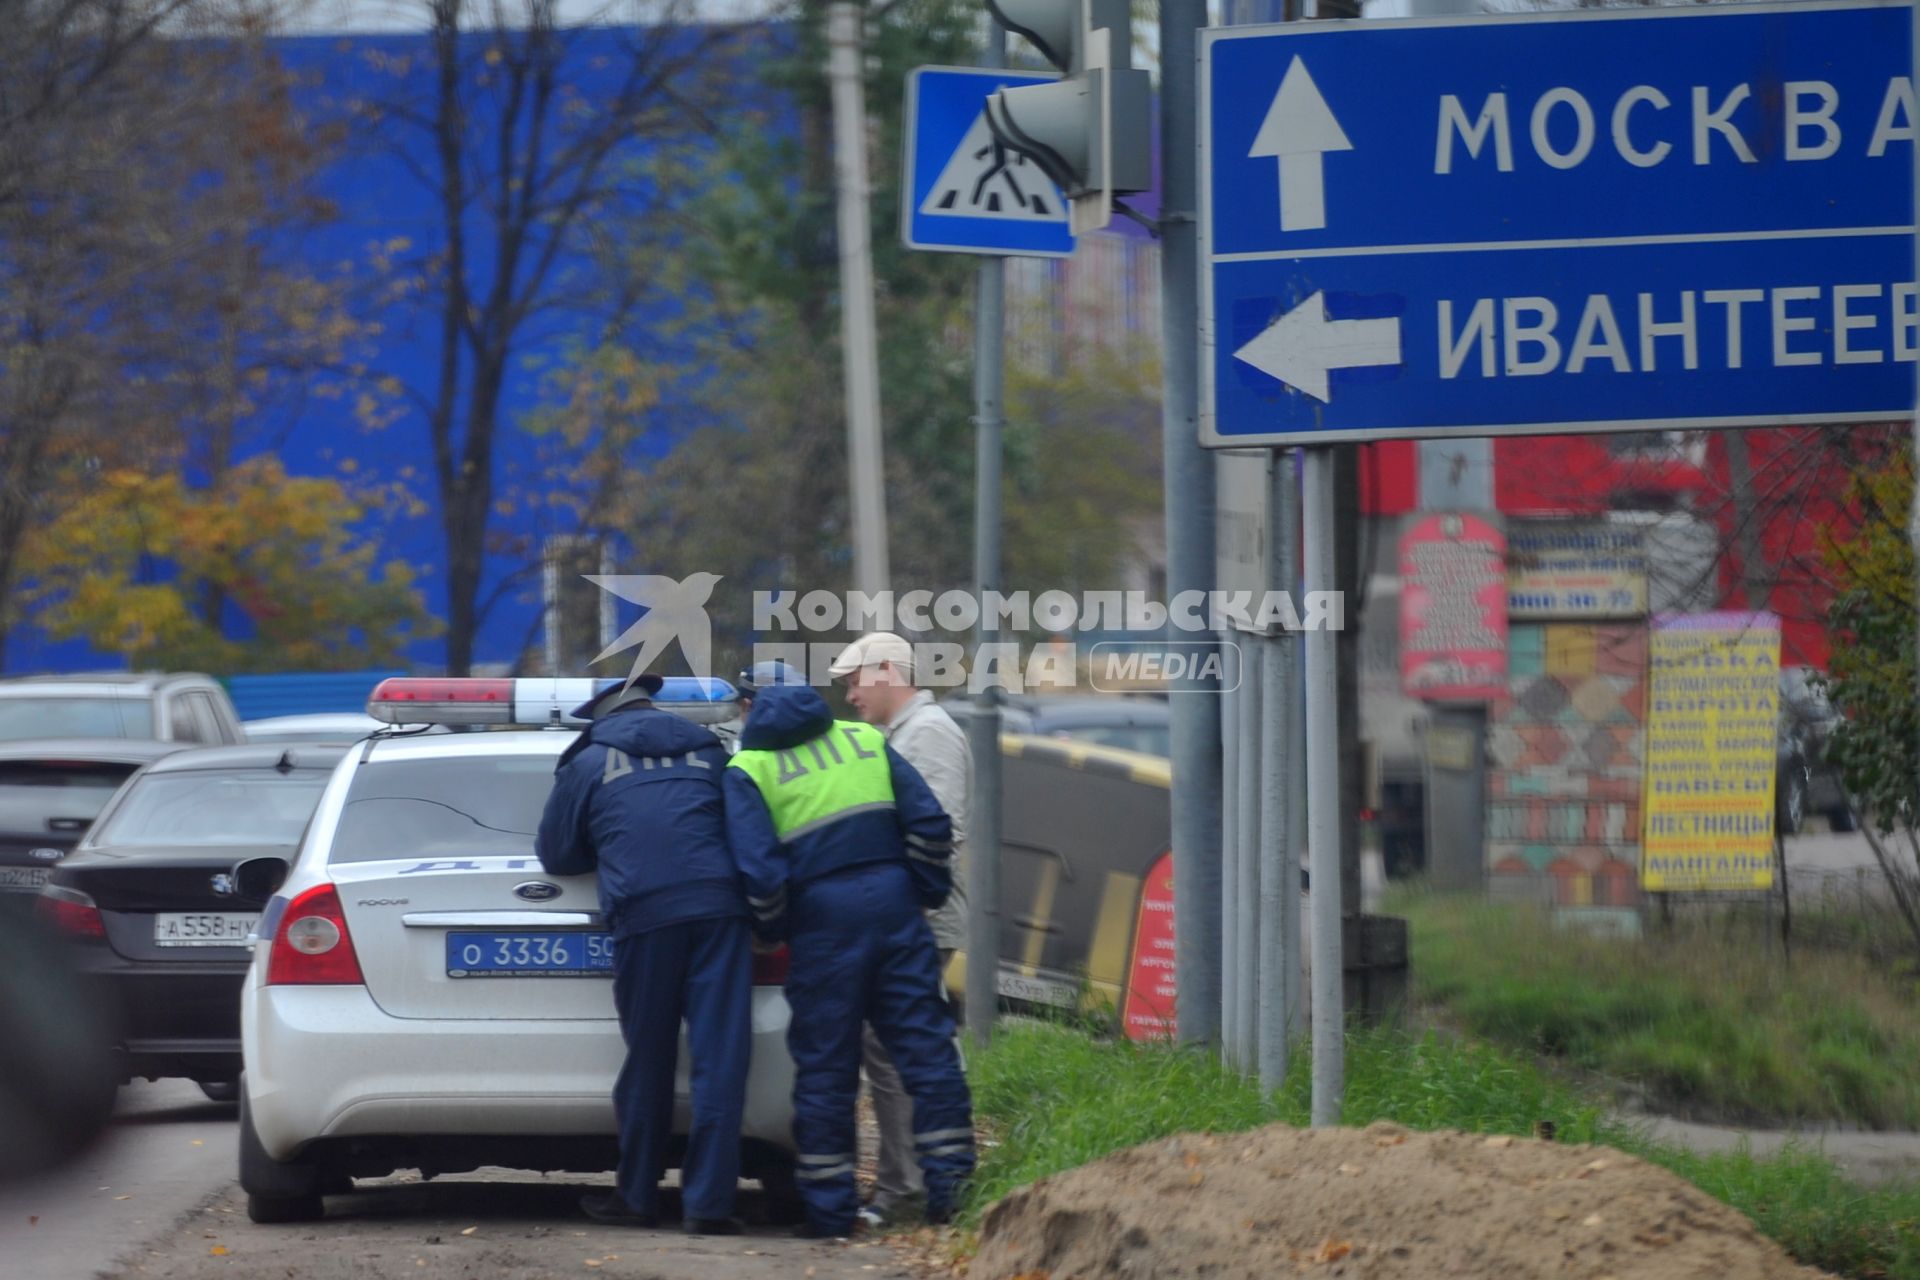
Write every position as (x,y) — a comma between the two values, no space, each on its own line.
(1554,222)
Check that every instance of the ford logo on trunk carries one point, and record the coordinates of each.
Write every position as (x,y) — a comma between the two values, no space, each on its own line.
(537,891)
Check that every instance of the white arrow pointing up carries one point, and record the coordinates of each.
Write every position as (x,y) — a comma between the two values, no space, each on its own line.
(1302,345)
(1299,129)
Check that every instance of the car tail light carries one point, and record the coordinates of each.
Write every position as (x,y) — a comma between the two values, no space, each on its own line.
(71,912)
(770,968)
(312,946)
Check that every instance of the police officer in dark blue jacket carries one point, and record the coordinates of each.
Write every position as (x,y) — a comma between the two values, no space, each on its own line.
(842,848)
(638,797)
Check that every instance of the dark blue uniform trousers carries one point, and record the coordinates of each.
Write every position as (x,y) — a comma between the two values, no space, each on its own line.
(702,971)
(861,951)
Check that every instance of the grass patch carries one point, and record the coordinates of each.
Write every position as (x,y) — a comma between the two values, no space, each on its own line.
(1800,1199)
(1056,1098)
(1703,1019)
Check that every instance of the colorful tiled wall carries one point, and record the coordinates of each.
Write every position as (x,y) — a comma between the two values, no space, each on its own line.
(1565,753)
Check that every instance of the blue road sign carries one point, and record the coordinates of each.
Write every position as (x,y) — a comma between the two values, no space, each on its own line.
(1577,221)
(963,192)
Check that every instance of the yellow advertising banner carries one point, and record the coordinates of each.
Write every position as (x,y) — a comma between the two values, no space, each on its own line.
(1560,569)
(1713,708)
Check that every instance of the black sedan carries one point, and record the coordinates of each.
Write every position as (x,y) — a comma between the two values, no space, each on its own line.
(51,789)
(148,898)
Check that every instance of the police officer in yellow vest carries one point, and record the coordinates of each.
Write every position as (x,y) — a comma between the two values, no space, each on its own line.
(842,847)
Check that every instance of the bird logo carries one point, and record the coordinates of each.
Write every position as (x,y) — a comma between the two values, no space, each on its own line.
(672,610)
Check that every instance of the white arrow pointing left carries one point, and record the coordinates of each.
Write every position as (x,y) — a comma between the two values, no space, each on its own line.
(1299,129)
(1303,345)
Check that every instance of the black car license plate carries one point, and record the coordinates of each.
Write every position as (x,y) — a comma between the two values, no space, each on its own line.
(520,953)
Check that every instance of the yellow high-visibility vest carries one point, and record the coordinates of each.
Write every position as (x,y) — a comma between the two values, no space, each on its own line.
(840,773)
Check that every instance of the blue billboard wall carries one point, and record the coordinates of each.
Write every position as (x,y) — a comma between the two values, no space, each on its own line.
(381,186)
(381,196)
(303,693)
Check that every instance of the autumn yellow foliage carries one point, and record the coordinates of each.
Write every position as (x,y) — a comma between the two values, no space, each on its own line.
(148,566)
(1874,633)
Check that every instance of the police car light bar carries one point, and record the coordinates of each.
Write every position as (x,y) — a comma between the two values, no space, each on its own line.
(533,701)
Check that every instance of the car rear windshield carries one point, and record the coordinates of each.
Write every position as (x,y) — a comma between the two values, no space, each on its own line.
(207,806)
(34,793)
(456,808)
(90,717)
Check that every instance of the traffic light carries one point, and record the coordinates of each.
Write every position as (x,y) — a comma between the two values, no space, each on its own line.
(1090,131)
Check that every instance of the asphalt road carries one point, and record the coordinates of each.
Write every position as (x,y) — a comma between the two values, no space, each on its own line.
(156,1198)
(495,1224)
(168,1152)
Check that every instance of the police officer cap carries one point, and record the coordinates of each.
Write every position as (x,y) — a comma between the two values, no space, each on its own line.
(615,696)
(763,674)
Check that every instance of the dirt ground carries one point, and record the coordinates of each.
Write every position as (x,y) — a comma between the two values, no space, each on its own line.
(1379,1203)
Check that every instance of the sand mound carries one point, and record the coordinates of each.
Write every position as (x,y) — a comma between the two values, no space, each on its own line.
(1379,1202)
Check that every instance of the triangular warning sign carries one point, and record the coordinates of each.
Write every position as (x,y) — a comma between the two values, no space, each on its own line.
(983,179)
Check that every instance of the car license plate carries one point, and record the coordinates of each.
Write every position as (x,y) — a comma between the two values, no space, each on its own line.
(23,879)
(521,954)
(1018,986)
(202,928)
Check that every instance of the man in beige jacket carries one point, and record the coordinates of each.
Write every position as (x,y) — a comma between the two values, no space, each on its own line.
(877,670)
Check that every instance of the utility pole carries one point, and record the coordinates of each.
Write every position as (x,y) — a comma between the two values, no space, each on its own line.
(867,497)
(983,730)
(1189,502)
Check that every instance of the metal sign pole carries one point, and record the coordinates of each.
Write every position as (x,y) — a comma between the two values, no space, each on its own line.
(1913,522)
(983,732)
(1292,937)
(1230,975)
(1279,881)
(1323,800)
(1250,925)
(1190,515)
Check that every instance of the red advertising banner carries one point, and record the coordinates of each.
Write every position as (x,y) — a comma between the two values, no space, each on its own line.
(1149,1013)
(1453,609)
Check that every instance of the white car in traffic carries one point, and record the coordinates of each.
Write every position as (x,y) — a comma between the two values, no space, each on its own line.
(422,996)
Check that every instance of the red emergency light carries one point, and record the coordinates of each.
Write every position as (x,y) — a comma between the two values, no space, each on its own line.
(442,700)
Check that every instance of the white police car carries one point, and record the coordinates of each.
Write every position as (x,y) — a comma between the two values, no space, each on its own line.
(423,996)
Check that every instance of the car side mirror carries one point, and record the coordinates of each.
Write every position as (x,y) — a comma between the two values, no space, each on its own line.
(259,878)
